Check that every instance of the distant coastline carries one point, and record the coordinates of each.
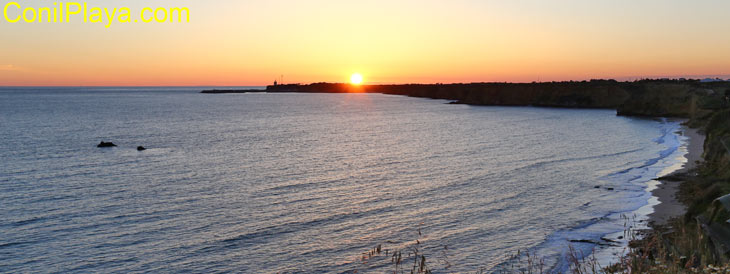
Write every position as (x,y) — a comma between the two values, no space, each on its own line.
(653,98)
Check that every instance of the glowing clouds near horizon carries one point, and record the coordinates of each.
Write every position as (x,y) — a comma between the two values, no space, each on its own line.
(356,79)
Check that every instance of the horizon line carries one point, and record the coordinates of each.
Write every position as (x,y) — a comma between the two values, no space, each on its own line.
(622,79)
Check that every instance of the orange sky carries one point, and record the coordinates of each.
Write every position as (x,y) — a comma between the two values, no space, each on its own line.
(240,42)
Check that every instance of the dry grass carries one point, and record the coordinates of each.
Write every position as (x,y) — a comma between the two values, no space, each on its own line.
(683,250)
(662,250)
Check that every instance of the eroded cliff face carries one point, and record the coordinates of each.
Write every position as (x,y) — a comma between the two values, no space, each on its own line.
(674,99)
(659,99)
(717,146)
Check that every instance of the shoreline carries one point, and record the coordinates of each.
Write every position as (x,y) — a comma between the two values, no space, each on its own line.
(669,207)
(627,224)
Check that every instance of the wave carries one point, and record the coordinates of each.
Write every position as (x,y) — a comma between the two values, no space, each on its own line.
(557,161)
(591,235)
(262,234)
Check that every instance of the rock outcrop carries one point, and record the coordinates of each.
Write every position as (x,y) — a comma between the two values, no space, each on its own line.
(106,144)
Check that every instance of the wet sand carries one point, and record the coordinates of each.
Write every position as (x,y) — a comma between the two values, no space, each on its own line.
(669,206)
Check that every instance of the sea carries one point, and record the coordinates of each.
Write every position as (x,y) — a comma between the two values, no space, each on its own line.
(314,183)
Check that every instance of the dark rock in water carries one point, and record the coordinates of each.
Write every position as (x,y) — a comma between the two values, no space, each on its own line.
(584,241)
(106,144)
(141,148)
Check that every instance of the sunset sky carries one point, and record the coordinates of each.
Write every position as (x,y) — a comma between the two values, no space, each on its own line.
(253,42)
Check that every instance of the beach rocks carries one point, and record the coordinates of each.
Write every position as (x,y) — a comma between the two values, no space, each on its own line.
(106,144)
(110,144)
(606,188)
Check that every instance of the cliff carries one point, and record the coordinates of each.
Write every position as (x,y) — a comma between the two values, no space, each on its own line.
(717,148)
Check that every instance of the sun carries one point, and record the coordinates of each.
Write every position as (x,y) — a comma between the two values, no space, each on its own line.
(356,79)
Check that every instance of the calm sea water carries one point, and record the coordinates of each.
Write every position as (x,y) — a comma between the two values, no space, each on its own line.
(265,183)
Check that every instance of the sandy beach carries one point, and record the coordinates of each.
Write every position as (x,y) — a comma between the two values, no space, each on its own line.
(669,206)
